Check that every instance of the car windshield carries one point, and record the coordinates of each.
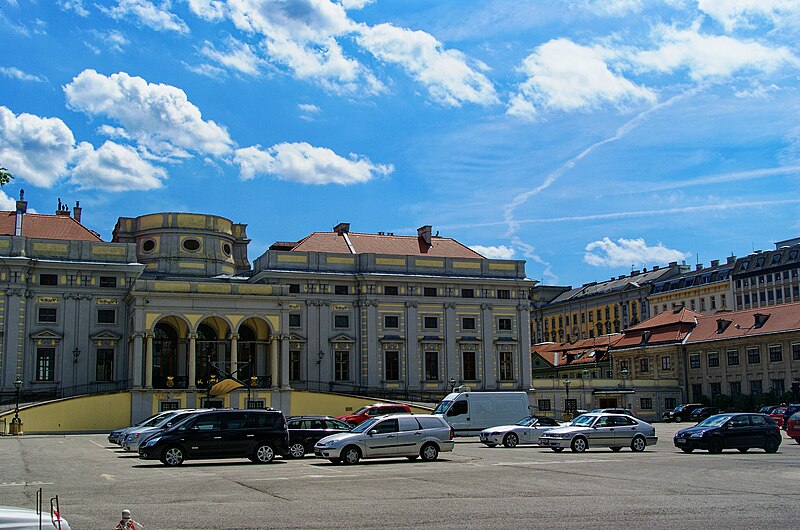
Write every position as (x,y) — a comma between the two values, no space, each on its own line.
(714,421)
(583,421)
(364,427)
(526,421)
(361,410)
(442,407)
(678,408)
(155,420)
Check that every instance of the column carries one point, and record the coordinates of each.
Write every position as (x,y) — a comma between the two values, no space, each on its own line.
(284,347)
(148,361)
(273,360)
(524,315)
(234,354)
(192,360)
(451,350)
(136,368)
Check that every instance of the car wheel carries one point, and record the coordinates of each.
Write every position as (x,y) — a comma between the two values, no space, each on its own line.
(677,419)
(429,452)
(351,455)
(638,444)
(264,454)
(578,445)
(715,446)
(557,449)
(511,440)
(615,449)
(687,449)
(297,451)
(771,445)
(173,456)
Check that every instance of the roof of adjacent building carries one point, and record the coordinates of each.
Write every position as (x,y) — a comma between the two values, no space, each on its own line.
(42,226)
(580,352)
(747,323)
(758,262)
(664,328)
(632,281)
(715,273)
(360,243)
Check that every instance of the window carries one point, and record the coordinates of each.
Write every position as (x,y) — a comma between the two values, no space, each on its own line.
(431,366)
(778,386)
(149,245)
(796,352)
(467,293)
(108,281)
(733,357)
(713,359)
(391,290)
(430,322)
(697,391)
(341,368)
(429,291)
(294,365)
(468,323)
(339,289)
(666,363)
(470,371)
(753,355)
(736,388)
(48,279)
(506,366)
(503,294)
(755,388)
(775,353)
(504,324)
(694,360)
(294,320)
(392,366)
(104,364)
(716,389)
(106,316)
(646,403)
(644,364)
(670,403)
(45,364)
(391,321)
(544,405)
(623,366)
(341,321)
(294,287)
(191,244)
(48,314)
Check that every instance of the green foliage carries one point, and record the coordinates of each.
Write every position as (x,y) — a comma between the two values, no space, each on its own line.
(5,176)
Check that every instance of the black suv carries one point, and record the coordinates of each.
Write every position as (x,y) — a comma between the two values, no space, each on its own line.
(255,434)
(740,431)
(681,412)
(305,431)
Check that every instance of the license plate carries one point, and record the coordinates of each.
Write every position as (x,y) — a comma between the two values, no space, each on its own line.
(681,440)
(543,442)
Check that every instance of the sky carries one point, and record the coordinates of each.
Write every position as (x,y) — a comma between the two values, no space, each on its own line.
(586,137)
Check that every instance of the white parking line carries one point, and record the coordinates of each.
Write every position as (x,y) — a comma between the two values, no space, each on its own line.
(300,477)
(12,484)
(551,462)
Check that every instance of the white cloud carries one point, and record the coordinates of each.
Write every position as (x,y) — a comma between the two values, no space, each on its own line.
(15,73)
(494,252)
(147,13)
(75,6)
(35,149)
(709,56)
(356,4)
(308,111)
(741,13)
(612,8)
(160,117)
(114,167)
(445,73)
(212,10)
(563,75)
(7,203)
(239,56)
(206,70)
(306,164)
(629,253)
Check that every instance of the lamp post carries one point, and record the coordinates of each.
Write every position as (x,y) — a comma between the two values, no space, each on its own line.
(624,374)
(253,381)
(75,354)
(452,385)
(16,423)
(584,377)
(320,356)
(567,382)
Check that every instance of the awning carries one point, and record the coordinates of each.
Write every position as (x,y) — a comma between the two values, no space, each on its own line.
(617,391)
(225,386)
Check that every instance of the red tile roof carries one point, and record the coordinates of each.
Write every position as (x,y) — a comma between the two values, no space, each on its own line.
(665,328)
(668,318)
(333,242)
(40,226)
(776,319)
(580,350)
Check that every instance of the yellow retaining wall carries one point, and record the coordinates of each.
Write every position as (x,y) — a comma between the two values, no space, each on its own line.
(313,403)
(81,414)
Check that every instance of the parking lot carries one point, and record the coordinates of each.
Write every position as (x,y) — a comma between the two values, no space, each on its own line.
(473,487)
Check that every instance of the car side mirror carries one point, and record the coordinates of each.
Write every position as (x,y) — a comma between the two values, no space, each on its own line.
(168,425)
(370,433)
(195,428)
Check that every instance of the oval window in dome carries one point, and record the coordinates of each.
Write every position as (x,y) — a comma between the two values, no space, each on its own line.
(191,244)
(149,245)
(226,248)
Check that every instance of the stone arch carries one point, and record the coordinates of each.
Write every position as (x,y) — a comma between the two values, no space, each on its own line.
(254,336)
(213,350)
(169,355)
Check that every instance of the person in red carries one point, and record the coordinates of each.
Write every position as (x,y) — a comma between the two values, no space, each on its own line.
(127,523)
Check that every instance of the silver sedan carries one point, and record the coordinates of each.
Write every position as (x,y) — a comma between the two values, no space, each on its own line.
(601,430)
(525,431)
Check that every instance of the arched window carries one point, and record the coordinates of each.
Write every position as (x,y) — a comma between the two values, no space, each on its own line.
(246,353)
(165,356)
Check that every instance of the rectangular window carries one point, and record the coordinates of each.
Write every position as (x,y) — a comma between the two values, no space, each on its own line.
(623,366)
(694,360)
(697,392)
(108,281)
(733,357)
(646,403)
(45,364)
(796,352)
(48,314)
(392,366)
(294,287)
(48,279)
(644,364)
(775,353)
(753,355)
(670,403)
(431,366)
(104,364)
(756,388)
(294,365)
(736,388)
(778,386)
(341,321)
(294,320)
(339,289)
(106,316)
(468,323)
(430,322)
(166,405)
(716,389)
(504,324)
(666,363)
(467,293)
(341,368)
(503,294)
(470,371)
(391,290)
(429,291)
(544,405)
(506,366)
(713,359)
(391,321)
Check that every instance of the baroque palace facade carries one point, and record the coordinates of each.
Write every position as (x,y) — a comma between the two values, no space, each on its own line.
(171,306)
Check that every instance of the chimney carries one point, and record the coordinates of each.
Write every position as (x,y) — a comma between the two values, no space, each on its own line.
(715,263)
(698,267)
(731,259)
(76,212)
(555,359)
(22,208)
(62,209)
(424,234)
(342,228)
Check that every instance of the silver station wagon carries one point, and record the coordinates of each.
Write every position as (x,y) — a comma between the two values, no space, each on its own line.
(601,430)
(389,436)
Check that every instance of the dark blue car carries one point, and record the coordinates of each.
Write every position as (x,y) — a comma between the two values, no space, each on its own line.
(740,431)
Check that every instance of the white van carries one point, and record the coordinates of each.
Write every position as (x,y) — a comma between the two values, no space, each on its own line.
(471,412)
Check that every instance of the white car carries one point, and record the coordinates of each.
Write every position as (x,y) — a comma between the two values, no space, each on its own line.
(601,430)
(27,519)
(525,431)
(135,436)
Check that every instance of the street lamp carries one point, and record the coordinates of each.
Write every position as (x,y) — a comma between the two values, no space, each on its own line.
(567,382)
(624,374)
(584,377)
(16,423)
(320,356)
(452,385)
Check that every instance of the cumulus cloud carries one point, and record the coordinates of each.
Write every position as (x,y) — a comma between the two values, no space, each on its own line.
(445,73)
(148,14)
(239,56)
(303,163)
(742,13)
(629,252)
(563,75)
(160,117)
(494,252)
(7,203)
(356,4)
(15,73)
(35,149)
(212,10)
(114,167)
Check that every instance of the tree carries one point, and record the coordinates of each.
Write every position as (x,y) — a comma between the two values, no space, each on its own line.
(5,176)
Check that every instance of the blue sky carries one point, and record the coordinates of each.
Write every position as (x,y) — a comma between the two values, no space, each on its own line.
(584,136)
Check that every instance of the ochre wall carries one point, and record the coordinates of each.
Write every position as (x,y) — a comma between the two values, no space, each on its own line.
(82,414)
(332,404)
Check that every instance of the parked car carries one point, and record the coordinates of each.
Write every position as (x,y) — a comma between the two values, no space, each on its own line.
(118,436)
(525,431)
(471,412)
(601,430)
(681,412)
(740,431)
(777,415)
(255,434)
(305,431)
(395,435)
(793,426)
(767,409)
(790,409)
(702,413)
(28,519)
(615,411)
(135,436)
(371,411)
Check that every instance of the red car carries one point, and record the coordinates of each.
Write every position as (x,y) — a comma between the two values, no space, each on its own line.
(370,411)
(777,415)
(793,426)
